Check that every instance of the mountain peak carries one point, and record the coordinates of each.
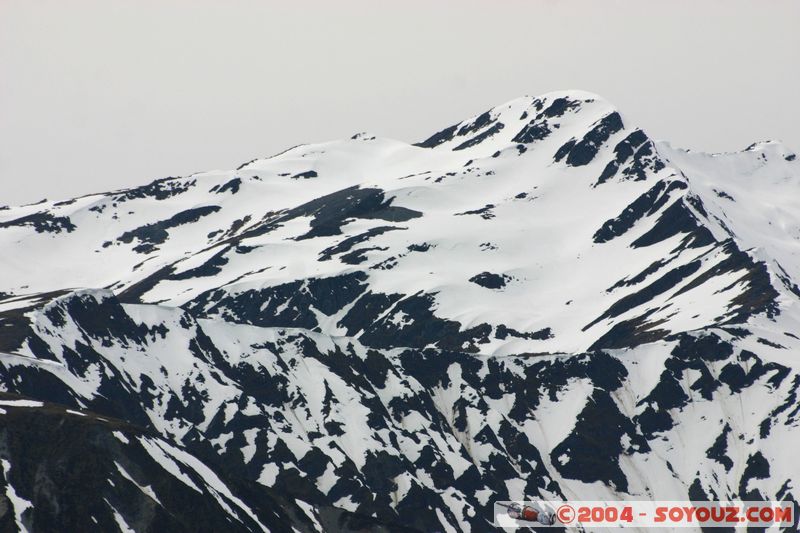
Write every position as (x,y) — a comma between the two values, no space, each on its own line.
(536,301)
(525,120)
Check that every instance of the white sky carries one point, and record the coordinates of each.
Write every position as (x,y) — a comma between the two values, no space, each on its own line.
(101,94)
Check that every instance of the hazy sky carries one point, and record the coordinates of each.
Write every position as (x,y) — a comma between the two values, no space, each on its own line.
(96,95)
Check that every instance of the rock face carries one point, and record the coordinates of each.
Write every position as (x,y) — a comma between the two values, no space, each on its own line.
(366,335)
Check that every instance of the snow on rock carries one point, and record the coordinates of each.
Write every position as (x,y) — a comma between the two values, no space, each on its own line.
(538,301)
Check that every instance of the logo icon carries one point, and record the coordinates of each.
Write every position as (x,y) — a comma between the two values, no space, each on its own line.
(527,513)
(566,514)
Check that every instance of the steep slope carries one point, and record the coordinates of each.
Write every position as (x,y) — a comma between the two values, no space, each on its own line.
(537,301)
(69,470)
(427,438)
(531,204)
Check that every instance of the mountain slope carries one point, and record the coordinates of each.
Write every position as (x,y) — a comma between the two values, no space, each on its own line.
(135,481)
(410,332)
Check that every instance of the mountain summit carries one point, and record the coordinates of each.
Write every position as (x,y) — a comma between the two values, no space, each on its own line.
(537,302)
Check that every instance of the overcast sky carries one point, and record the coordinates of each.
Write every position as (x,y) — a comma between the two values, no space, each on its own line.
(101,94)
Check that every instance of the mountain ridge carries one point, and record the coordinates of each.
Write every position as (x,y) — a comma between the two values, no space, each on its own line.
(392,335)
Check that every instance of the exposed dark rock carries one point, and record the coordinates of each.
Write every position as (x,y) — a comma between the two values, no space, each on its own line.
(157,233)
(490,281)
(308,174)
(42,222)
(759,296)
(232,186)
(480,137)
(159,189)
(719,449)
(645,205)
(485,212)
(436,139)
(211,267)
(579,153)
(630,333)
(659,286)
(676,219)
(559,106)
(348,243)
(502,332)
(330,212)
(533,131)
(591,452)
(479,123)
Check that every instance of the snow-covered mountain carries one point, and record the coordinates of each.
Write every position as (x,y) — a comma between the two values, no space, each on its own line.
(537,302)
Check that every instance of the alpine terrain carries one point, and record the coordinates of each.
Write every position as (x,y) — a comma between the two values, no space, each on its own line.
(539,302)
